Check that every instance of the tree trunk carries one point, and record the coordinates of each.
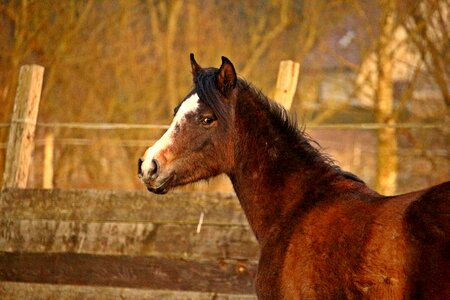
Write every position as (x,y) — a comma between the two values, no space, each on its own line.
(164,18)
(170,59)
(192,25)
(387,160)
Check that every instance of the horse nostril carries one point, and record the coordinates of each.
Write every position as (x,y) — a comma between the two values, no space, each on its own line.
(153,172)
(140,161)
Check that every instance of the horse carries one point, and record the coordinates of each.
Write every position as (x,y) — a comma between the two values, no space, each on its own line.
(323,233)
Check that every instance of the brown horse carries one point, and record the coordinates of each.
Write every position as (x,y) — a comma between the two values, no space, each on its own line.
(323,233)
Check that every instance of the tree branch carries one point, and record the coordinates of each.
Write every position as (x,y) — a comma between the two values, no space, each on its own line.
(267,39)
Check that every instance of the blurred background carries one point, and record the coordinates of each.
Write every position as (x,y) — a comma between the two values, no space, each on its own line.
(361,62)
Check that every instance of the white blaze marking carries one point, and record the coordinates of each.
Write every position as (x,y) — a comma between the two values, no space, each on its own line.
(189,105)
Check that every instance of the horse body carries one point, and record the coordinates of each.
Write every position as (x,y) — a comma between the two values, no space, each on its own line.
(333,237)
(323,233)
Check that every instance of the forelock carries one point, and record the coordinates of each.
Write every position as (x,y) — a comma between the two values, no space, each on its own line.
(205,87)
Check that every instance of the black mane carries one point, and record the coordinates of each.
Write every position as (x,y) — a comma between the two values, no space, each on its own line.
(205,86)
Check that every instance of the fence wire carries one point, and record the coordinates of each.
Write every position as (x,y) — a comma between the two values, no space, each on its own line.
(127,126)
(143,143)
(93,126)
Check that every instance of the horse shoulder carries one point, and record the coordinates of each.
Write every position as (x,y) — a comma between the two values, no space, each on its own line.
(349,248)
(385,259)
(396,250)
(323,251)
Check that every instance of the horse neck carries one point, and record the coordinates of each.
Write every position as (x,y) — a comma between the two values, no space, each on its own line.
(274,168)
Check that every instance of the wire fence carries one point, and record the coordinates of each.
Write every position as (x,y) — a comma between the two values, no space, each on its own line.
(127,126)
(143,143)
(94,126)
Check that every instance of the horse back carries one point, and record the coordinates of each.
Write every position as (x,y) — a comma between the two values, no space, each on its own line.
(428,224)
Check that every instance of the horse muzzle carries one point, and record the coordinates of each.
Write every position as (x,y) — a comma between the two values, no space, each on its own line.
(156,181)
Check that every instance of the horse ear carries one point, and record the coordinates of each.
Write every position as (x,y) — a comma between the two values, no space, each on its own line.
(226,78)
(194,65)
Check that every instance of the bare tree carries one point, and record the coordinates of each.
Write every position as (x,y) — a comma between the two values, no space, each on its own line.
(427,23)
(127,61)
(164,18)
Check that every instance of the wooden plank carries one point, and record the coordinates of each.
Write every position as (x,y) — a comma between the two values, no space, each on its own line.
(128,271)
(115,238)
(287,82)
(121,206)
(37,291)
(21,133)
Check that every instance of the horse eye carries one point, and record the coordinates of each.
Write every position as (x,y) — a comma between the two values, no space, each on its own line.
(206,121)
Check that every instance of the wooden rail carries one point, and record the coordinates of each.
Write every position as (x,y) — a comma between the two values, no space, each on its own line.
(120,239)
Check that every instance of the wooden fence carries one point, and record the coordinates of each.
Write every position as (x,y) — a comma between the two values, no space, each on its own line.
(79,244)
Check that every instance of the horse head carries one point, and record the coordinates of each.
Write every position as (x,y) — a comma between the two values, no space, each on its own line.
(198,143)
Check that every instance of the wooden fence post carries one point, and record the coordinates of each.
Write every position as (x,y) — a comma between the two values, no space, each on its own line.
(23,123)
(287,82)
(49,149)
